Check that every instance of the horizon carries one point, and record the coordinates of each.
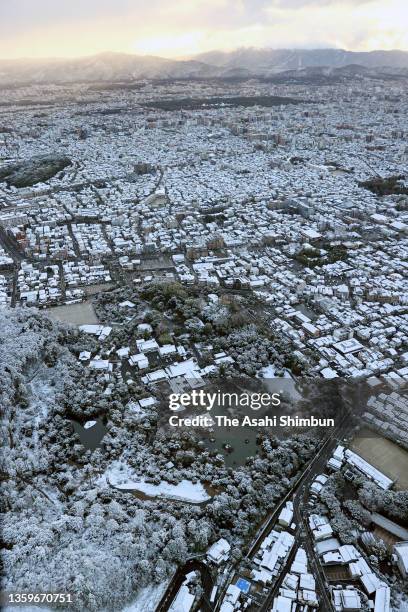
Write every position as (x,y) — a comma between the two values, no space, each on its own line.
(192,57)
(73,29)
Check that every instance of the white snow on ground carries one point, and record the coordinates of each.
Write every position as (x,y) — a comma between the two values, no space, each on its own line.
(147,599)
(121,476)
(42,397)
(184,490)
(135,409)
(51,493)
(401,603)
(269,371)
(27,608)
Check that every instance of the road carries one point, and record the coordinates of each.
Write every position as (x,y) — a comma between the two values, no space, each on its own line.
(10,245)
(316,466)
(299,492)
(303,536)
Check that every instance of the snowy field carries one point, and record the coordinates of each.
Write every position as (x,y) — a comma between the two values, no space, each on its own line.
(75,314)
(120,476)
(269,371)
(147,599)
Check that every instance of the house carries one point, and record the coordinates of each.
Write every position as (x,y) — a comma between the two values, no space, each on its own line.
(309,598)
(299,565)
(282,604)
(286,516)
(370,582)
(147,402)
(368,470)
(275,549)
(325,546)
(167,349)
(155,377)
(346,599)
(219,551)
(329,373)
(401,552)
(140,360)
(101,331)
(323,532)
(147,346)
(101,364)
(231,599)
(187,368)
(145,328)
(351,345)
(381,521)
(382,599)
(184,600)
(334,464)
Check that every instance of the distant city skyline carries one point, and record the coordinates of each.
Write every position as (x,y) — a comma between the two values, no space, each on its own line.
(74,28)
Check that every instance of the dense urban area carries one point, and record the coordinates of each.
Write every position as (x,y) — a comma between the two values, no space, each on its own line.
(158,236)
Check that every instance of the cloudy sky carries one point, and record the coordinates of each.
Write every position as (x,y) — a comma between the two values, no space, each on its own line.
(174,28)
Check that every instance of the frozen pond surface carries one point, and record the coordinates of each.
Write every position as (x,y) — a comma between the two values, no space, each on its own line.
(121,476)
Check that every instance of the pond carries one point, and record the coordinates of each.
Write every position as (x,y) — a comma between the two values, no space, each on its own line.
(91,434)
(236,444)
(121,476)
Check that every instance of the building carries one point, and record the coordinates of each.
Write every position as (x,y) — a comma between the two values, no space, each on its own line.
(399,532)
(219,551)
(380,479)
(382,599)
(346,599)
(231,598)
(401,553)
(184,600)
(286,516)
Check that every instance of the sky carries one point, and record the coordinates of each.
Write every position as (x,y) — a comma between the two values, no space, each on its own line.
(181,28)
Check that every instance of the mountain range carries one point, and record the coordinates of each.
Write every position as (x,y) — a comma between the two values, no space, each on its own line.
(241,63)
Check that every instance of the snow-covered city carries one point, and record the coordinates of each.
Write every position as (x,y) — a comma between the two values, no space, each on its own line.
(219,234)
